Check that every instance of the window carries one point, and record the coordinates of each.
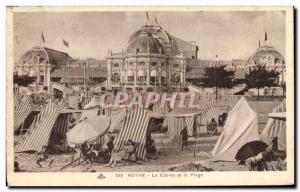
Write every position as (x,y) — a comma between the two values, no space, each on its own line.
(153,64)
(163,80)
(141,64)
(41,79)
(115,78)
(116,65)
(141,79)
(130,78)
(175,65)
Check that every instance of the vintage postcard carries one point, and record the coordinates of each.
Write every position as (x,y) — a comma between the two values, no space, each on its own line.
(150,96)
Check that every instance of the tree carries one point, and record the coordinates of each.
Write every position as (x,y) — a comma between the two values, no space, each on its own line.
(260,77)
(217,77)
(23,80)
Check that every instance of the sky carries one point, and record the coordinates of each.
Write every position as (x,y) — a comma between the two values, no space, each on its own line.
(230,35)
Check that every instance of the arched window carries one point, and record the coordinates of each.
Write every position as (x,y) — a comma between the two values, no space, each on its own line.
(153,64)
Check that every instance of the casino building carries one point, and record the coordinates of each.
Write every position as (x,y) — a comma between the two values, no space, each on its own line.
(271,58)
(152,59)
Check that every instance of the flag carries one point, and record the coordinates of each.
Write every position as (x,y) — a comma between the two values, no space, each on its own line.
(147,16)
(43,38)
(259,43)
(65,43)
(266,36)
(156,21)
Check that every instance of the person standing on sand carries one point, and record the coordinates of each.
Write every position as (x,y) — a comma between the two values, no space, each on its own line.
(184,137)
(43,156)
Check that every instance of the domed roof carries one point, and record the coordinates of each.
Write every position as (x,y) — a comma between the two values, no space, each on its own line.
(52,56)
(264,52)
(159,35)
(156,31)
(144,42)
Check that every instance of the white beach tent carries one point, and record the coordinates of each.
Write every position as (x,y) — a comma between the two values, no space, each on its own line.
(240,128)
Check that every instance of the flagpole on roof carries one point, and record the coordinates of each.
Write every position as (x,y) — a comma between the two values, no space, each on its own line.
(266,36)
(147,15)
(42,40)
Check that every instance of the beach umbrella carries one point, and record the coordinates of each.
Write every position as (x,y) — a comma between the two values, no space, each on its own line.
(85,131)
(250,149)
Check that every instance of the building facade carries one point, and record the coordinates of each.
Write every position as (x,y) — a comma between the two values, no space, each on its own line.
(269,57)
(57,71)
(39,62)
(153,58)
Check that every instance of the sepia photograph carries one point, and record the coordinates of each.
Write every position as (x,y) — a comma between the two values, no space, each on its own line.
(150,96)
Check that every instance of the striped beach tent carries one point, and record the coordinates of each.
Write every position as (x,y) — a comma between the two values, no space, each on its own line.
(48,126)
(22,108)
(212,110)
(276,126)
(135,128)
(177,123)
(178,119)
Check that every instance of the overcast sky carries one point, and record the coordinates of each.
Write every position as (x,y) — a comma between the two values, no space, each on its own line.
(231,35)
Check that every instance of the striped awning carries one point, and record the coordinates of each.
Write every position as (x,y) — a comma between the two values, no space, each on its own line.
(134,128)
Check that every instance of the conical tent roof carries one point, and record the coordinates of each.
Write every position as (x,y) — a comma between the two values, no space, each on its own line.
(241,127)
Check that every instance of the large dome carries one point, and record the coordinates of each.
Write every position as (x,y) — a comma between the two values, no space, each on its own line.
(144,42)
(154,35)
(263,54)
